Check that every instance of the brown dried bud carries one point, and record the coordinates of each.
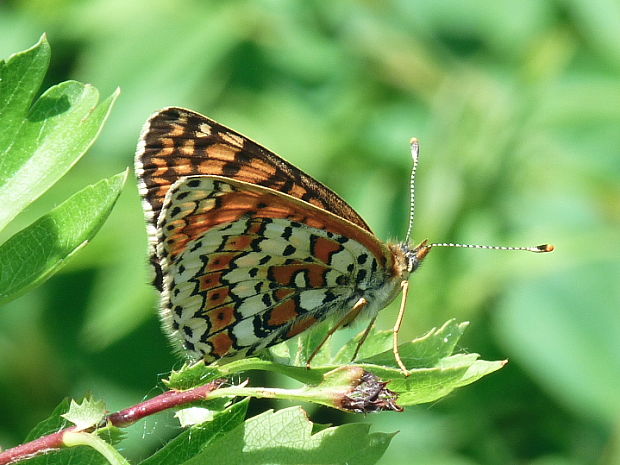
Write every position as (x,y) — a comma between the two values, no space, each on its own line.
(370,395)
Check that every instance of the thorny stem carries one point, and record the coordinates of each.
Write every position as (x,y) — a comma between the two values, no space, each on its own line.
(160,403)
(126,417)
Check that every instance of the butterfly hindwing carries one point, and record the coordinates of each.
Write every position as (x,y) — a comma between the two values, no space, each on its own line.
(246,267)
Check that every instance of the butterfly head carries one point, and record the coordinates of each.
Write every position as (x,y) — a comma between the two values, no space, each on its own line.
(410,258)
(416,255)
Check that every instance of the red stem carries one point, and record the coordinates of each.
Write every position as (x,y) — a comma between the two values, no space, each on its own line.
(126,417)
(159,403)
(43,445)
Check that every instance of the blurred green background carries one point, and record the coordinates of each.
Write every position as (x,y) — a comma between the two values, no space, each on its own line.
(517,106)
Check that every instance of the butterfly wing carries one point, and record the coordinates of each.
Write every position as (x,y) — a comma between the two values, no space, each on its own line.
(176,143)
(247,267)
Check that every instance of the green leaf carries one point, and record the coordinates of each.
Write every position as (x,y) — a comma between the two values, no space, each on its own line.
(377,342)
(308,342)
(192,375)
(20,78)
(193,440)
(429,384)
(53,423)
(286,437)
(39,144)
(33,254)
(89,413)
(424,351)
(433,372)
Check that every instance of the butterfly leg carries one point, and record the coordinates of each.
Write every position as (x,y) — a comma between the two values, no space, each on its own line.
(364,337)
(348,318)
(399,321)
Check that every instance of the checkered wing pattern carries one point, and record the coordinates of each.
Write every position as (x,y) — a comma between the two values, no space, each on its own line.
(177,142)
(247,267)
(248,250)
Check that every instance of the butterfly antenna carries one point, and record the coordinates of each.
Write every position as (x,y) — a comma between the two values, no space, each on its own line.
(537,249)
(415,155)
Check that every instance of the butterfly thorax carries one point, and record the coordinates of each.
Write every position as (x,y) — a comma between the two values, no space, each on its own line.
(405,260)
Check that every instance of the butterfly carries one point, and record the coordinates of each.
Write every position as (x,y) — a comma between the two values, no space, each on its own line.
(248,250)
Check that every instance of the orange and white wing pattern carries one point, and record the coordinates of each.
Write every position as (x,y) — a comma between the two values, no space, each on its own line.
(176,142)
(248,250)
(246,267)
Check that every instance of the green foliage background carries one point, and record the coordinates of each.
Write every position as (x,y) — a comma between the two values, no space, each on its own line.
(517,106)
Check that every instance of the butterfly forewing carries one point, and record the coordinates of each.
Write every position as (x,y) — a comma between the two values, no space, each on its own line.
(246,268)
(176,142)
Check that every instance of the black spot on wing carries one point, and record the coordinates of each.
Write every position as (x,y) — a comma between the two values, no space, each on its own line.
(289,250)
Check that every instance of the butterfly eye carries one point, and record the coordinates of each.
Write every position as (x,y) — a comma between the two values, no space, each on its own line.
(415,256)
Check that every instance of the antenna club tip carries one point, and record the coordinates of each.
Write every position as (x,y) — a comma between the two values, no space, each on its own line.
(415,149)
(545,248)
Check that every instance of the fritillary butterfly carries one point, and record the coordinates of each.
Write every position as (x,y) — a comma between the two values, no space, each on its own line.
(248,250)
